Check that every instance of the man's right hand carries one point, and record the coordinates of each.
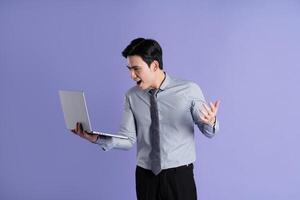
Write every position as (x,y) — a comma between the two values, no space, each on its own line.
(80,132)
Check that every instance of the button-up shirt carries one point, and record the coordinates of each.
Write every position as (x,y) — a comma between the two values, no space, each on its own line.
(179,103)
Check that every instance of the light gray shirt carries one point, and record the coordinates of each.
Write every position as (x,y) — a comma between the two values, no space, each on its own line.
(178,104)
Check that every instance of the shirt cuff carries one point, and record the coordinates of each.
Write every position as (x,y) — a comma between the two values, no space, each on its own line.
(106,143)
(210,130)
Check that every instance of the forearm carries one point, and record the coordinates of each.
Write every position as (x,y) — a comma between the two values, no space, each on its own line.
(209,130)
(108,143)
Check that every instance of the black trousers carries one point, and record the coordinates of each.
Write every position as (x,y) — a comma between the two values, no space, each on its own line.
(170,184)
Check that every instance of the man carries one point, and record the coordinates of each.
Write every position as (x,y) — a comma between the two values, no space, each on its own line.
(159,114)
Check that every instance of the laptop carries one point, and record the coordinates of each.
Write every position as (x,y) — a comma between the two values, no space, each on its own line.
(75,110)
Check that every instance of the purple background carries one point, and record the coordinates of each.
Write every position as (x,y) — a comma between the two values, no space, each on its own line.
(245,53)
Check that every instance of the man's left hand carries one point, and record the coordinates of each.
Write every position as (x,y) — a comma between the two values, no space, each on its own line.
(210,112)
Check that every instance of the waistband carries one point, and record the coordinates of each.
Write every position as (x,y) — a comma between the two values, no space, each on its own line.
(191,165)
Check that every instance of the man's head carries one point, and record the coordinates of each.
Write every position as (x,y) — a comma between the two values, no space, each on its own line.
(144,57)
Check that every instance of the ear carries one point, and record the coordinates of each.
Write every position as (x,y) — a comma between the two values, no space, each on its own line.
(154,65)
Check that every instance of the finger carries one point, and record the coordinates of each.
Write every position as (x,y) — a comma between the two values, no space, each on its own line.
(212,107)
(203,112)
(77,127)
(81,134)
(217,104)
(207,109)
(203,119)
(87,134)
(81,128)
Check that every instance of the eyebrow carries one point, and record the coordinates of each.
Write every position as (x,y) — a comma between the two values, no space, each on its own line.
(133,67)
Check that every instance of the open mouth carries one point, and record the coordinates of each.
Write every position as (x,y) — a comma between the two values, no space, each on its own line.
(139,82)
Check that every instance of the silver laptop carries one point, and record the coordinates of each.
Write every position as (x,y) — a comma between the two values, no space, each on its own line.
(75,110)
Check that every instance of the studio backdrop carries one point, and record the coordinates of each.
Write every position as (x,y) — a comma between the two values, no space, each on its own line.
(245,53)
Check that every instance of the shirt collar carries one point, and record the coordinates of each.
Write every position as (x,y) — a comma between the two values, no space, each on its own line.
(165,82)
(163,85)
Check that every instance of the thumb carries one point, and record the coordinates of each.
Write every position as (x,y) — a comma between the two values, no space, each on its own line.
(217,104)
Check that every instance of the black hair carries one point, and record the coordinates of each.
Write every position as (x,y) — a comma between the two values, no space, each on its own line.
(148,49)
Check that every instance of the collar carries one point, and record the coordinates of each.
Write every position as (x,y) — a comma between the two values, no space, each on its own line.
(163,85)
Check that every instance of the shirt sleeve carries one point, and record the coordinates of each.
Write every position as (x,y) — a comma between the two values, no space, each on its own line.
(127,129)
(197,101)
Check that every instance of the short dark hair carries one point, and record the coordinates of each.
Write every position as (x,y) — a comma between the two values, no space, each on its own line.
(148,49)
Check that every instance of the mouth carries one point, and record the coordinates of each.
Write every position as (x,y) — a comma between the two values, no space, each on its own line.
(139,82)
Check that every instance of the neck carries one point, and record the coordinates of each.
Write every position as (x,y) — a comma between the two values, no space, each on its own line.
(159,80)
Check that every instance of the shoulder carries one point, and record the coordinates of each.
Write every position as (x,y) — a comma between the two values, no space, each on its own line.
(187,84)
(194,87)
(189,88)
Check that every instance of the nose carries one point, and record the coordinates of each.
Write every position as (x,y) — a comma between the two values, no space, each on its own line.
(132,74)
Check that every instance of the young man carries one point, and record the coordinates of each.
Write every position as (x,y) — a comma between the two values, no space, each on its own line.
(159,114)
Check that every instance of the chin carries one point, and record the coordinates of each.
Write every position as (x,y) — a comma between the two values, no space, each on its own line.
(143,87)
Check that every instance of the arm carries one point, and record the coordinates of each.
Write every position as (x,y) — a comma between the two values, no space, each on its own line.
(127,129)
(204,115)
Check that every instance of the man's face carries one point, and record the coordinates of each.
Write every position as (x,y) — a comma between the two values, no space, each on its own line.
(140,72)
